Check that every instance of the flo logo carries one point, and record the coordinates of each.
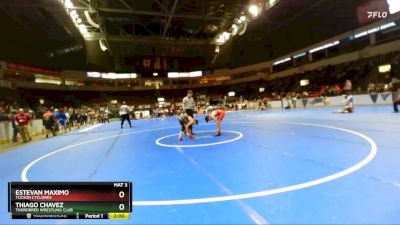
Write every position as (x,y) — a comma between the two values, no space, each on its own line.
(376,14)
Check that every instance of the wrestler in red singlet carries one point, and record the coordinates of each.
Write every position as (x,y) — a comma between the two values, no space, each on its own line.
(217,115)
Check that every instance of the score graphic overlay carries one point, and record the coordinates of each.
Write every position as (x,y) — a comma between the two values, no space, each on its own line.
(66,200)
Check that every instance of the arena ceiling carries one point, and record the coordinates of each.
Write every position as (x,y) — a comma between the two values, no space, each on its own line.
(40,32)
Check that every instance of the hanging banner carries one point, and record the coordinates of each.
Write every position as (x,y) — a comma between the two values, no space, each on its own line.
(32,69)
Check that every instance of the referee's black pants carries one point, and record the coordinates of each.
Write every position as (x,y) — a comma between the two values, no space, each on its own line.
(395,107)
(190,112)
(125,117)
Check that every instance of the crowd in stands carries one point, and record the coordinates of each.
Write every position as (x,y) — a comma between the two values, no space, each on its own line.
(55,121)
(329,81)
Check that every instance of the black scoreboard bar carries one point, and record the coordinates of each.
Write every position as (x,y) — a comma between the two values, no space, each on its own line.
(70,200)
(91,216)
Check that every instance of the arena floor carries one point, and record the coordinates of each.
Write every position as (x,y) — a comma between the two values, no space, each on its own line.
(307,166)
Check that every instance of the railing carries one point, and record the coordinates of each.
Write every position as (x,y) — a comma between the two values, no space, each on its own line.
(5,84)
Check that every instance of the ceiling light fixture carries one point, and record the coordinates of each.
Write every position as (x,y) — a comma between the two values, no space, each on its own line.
(68,4)
(90,21)
(239,25)
(226,36)
(82,29)
(103,46)
(254,10)
(234,29)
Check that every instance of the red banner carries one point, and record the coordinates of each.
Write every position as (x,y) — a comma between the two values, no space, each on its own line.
(146,63)
(165,64)
(32,69)
(157,63)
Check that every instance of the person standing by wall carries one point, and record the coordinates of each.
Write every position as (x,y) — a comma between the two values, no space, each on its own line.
(348,86)
(48,123)
(395,86)
(23,119)
(73,118)
(188,105)
(294,99)
(14,126)
(61,119)
(348,103)
(288,100)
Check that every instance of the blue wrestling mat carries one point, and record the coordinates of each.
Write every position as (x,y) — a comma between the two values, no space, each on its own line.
(307,166)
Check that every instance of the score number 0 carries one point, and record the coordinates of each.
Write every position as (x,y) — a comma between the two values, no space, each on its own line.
(121,195)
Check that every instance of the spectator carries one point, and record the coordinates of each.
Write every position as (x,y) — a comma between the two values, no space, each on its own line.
(73,119)
(371,88)
(348,106)
(3,115)
(92,116)
(61,119)
(105,115)
(82,118)
(23,119)
(294,99)
(173,109)
(67,123)
(261,105)
(48,123)
(14,127)
(347,86)
(395,83)
(337,89)
(286,103)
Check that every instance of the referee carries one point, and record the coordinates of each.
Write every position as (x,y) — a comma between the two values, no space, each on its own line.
(188,106)
(124,113)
